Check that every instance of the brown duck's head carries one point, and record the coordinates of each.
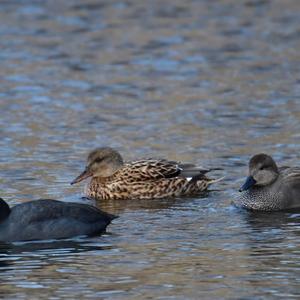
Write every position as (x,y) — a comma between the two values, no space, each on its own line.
(101,162)
(262,171)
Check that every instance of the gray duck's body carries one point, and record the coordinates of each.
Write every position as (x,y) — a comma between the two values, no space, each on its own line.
(268,187)
(50,219)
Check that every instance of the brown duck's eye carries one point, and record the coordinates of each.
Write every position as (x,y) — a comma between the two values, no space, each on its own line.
(98,160)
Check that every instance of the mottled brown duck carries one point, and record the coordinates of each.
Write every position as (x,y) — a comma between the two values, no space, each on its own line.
(111,178)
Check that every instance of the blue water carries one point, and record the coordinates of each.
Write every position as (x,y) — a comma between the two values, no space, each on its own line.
(210,82)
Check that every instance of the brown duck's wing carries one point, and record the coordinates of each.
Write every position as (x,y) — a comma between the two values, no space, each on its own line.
(150,169)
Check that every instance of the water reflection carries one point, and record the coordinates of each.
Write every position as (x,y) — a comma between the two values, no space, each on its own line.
(151,206)
(11,254)
(274,220)
(73,246)
(273,254)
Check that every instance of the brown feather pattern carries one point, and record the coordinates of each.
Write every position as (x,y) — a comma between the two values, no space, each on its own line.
(148,179)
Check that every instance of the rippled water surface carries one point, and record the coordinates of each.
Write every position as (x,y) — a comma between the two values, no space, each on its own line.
(206,81)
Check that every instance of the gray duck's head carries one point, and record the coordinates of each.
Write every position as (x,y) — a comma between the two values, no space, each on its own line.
(263,171)
(101,162)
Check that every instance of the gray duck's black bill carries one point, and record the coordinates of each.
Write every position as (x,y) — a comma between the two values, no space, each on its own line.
(250,181)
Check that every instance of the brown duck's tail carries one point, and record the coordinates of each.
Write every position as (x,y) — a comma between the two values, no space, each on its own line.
(211,181)
(202,177)
(191,170)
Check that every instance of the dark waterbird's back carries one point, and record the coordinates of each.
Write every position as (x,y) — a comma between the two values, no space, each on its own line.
(51,219)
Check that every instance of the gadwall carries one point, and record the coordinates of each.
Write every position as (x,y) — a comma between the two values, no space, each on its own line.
(50,219)
(142,179)
(268,187)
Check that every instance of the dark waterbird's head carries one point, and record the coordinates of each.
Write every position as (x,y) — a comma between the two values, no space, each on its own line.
(4,210)
(101,162)
(262,171)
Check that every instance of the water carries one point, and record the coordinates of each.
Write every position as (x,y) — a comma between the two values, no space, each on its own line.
(212,82)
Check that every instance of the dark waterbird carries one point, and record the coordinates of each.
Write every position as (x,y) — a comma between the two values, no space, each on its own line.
(269,187)
(50,219)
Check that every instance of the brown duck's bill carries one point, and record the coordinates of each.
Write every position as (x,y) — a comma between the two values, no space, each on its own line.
(85,174)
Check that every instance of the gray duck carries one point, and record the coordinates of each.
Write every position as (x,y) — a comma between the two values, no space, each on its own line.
(269,187)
